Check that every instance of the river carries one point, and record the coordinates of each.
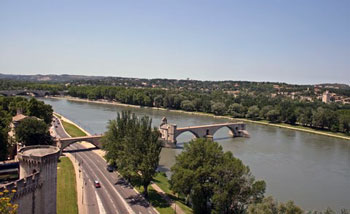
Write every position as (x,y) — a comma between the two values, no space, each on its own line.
(310,169)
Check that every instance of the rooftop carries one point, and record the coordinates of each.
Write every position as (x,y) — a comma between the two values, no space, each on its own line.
(39,151)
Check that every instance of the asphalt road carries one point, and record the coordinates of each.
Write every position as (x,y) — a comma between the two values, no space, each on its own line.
(115,195)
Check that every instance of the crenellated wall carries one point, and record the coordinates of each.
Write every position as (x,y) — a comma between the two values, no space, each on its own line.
(27,190)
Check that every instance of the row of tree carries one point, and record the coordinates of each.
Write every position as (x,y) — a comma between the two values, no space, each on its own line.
(133,145)
(30,131)
(318,115)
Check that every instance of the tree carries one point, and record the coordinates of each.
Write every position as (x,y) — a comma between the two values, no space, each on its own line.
(218,108)
(236,110)
(344,123)
(193,172)
(187,105)
(40,110)
(205,174)
(33,131)
(273,115)
(3,145)
(4,128)
(270,206)
(253,112)
(158,101)
(133,145)
(263,112)
(235,187)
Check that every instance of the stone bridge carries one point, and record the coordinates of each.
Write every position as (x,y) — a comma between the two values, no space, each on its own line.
(94,139)
(169,132)
(36,93)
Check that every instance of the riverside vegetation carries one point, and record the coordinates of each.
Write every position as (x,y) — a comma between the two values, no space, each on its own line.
(254,101)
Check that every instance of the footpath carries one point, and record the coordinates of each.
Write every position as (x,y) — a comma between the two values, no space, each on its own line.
(101,153)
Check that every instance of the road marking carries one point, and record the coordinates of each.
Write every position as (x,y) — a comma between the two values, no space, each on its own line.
(127,206)
(84,171)
(100,205)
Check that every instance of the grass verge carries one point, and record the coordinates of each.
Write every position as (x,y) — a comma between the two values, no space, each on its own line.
(156,199)
(66,188)
(162,181)
(72,130)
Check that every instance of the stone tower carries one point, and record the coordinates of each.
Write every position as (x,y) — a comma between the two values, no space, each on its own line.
(41,161)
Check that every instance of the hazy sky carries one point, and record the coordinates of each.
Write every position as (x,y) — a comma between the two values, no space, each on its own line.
(294,41)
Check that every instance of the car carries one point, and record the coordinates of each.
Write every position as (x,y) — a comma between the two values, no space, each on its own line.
(97,184)
(110,168)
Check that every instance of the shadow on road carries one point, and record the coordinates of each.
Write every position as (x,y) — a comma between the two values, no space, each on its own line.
(79,150)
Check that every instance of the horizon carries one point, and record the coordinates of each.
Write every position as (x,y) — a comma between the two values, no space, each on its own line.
(272,41)
(185,79)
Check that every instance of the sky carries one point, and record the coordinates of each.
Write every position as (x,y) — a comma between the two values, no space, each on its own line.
(293,41)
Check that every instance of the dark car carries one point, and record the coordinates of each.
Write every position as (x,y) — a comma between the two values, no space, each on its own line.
(110,168)
(97,184)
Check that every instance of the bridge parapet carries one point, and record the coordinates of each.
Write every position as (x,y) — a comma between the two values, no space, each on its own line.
(94,139)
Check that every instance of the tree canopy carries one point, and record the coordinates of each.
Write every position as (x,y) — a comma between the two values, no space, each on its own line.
(205,174)
(33,131)
(132,144)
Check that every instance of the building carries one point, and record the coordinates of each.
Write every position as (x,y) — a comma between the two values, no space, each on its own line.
(326,97)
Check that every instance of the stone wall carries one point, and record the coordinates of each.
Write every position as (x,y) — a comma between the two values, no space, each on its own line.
(27,193)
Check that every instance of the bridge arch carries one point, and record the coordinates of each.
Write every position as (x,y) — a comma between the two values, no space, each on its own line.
(232,130)
(187,131)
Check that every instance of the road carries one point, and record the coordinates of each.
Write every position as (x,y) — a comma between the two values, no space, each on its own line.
(115,195)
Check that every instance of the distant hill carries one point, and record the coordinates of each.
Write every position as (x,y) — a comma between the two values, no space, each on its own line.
(49,77)
(65,78)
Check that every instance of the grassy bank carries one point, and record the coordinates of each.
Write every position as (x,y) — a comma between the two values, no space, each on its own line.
(156,199)
(72,130)
(66,188)
(162,181)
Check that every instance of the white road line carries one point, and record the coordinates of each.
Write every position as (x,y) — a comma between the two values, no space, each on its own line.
(100,205)
(91,179)
(127,206)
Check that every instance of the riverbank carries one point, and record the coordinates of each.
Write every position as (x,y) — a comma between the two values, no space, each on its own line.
(280,125)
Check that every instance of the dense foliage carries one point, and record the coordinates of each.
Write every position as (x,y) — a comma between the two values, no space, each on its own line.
(333,117)
(255,100)
(9,106)
(132,144)
(270,206)
(32,131)
(206,175)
